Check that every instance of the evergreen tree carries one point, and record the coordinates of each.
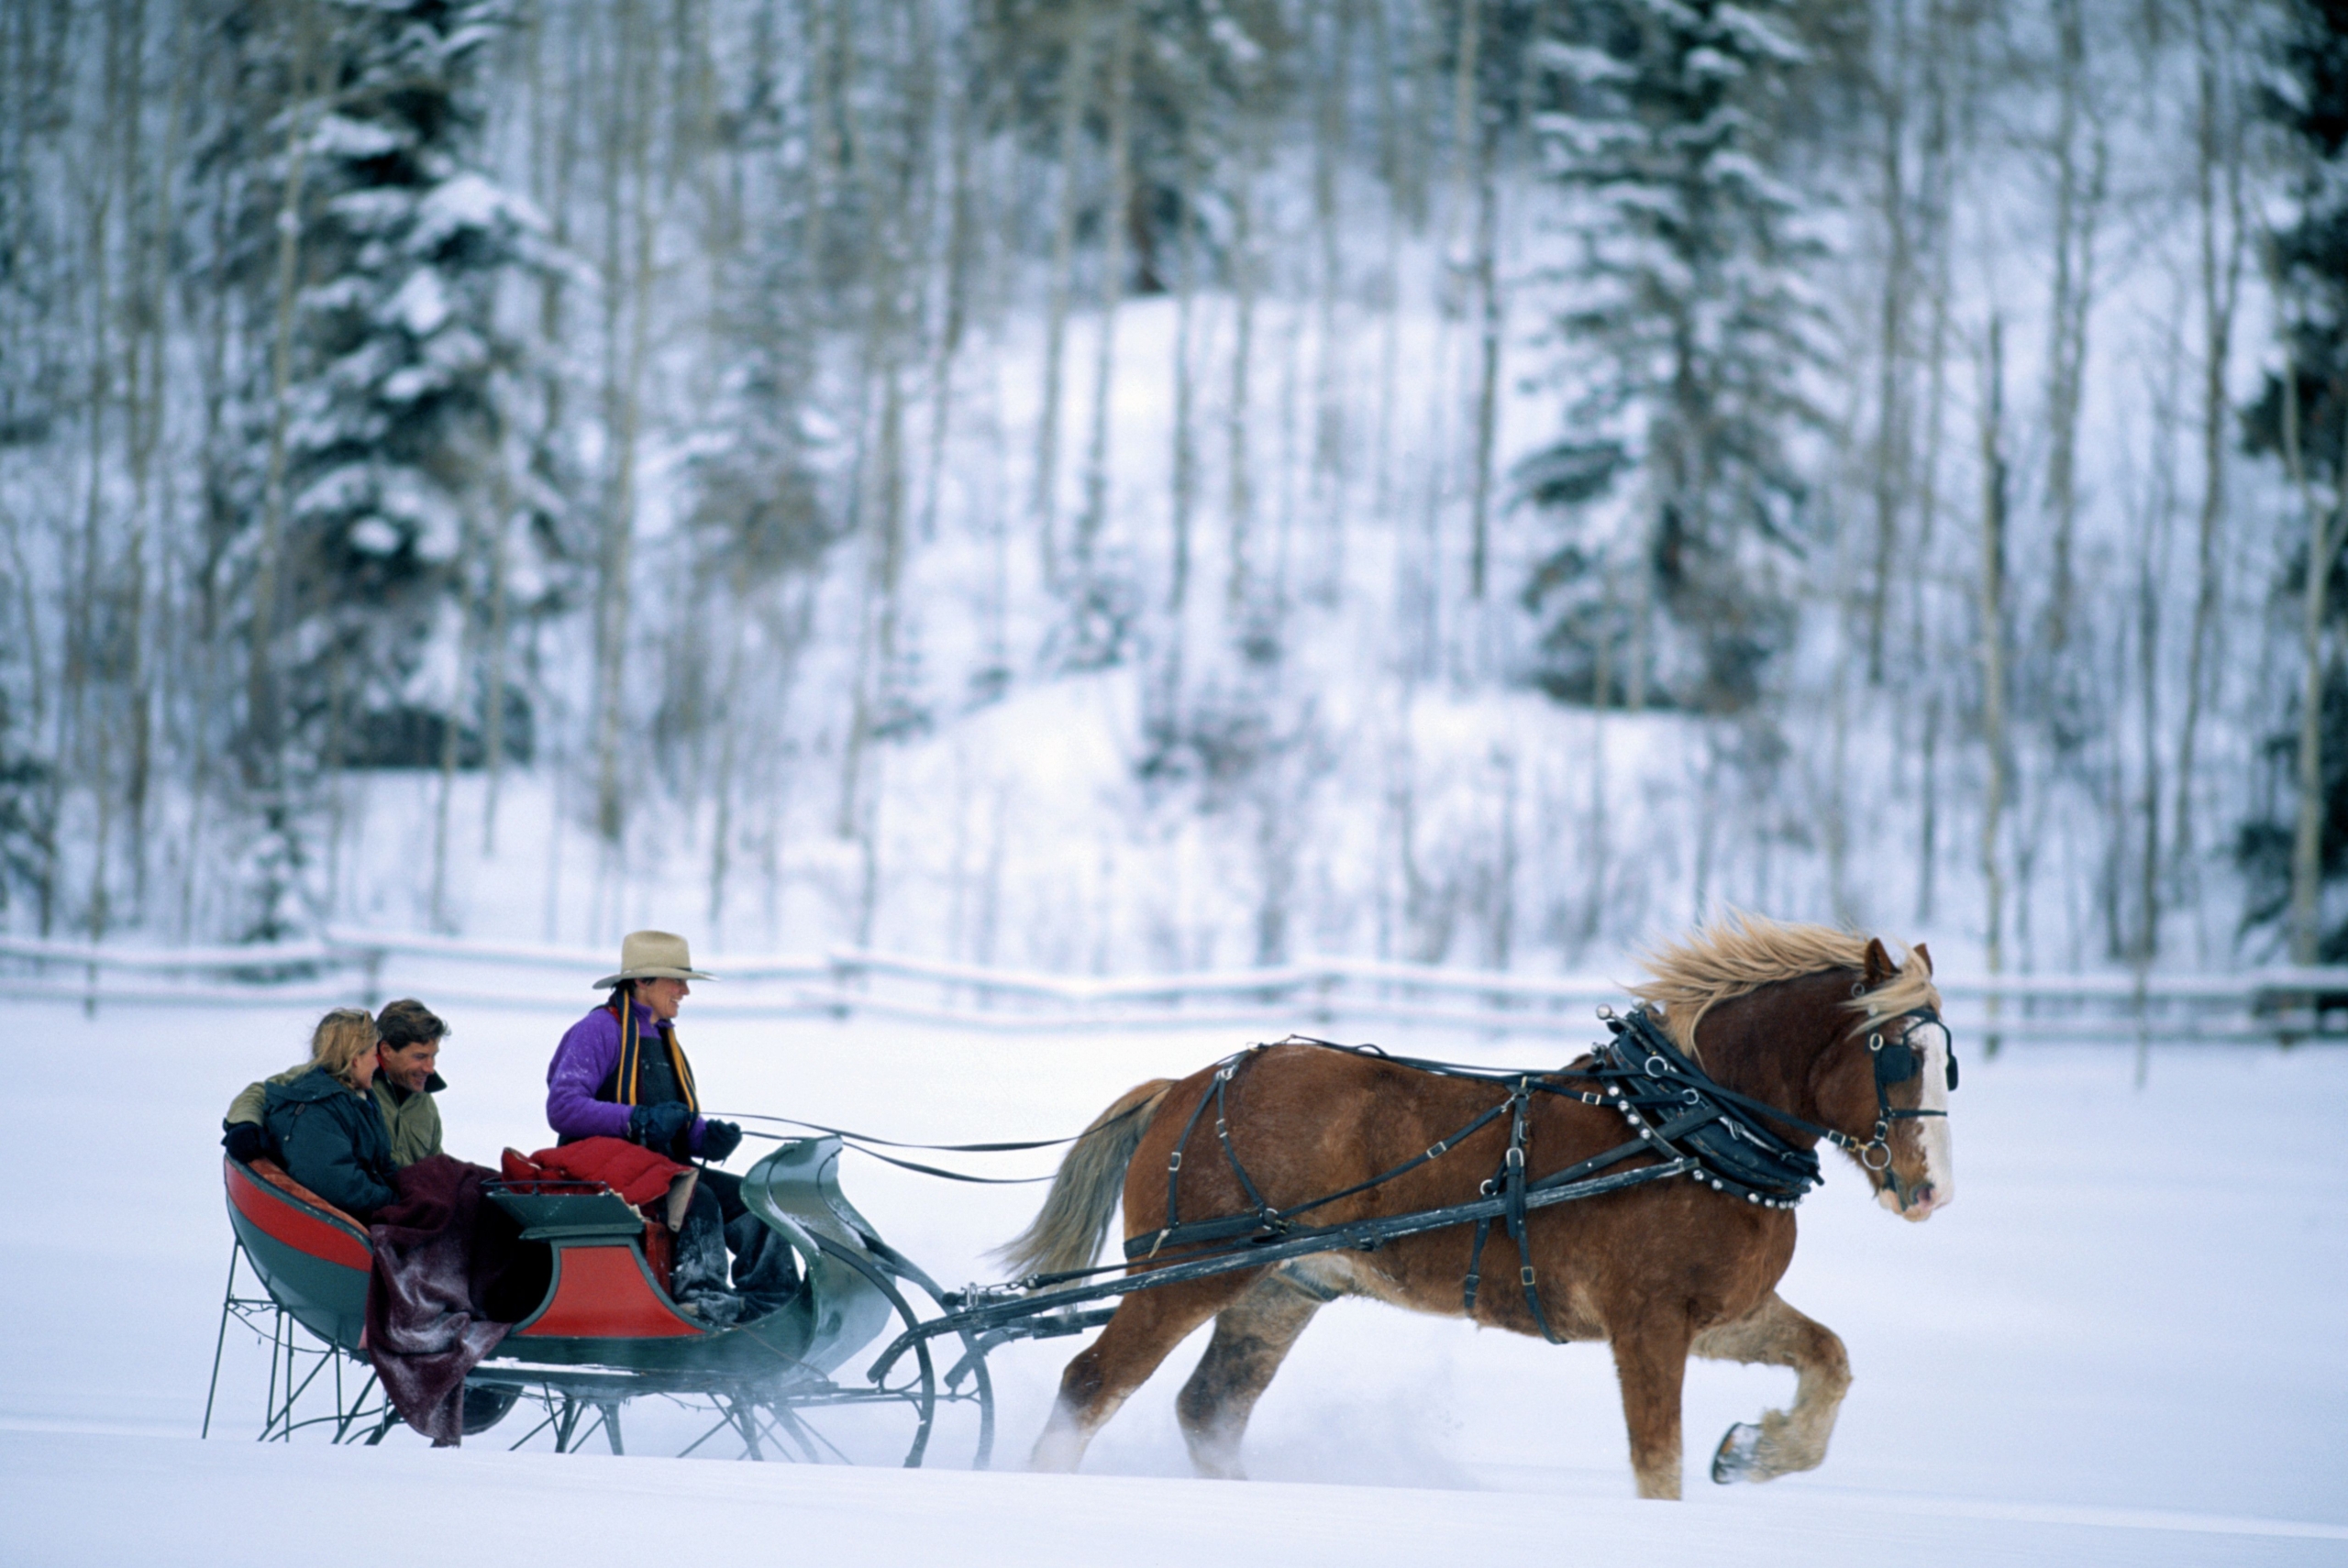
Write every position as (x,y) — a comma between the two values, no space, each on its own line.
(402,388)
(1689,332)
(2303,422)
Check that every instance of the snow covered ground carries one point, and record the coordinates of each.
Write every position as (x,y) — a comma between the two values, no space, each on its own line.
(2122,1345)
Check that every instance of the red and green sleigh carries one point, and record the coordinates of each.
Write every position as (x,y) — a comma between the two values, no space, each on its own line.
(606,1330)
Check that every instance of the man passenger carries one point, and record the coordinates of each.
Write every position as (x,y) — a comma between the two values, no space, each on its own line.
(407,1048)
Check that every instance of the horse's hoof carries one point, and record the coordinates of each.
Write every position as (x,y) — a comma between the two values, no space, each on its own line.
(1738,1458)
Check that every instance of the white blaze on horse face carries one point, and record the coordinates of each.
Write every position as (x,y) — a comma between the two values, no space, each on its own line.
(1935,1188)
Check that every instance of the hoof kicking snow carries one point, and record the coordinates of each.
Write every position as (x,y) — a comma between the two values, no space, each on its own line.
(1738,1458)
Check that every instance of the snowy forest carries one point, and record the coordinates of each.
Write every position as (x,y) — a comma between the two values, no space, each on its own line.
(1113,485)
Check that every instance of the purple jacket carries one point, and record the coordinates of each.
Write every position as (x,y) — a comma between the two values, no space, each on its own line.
(584,1059)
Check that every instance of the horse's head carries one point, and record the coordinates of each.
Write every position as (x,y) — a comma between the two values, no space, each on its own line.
(1890,1088)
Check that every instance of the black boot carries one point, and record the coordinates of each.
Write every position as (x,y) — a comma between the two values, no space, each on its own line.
(766,1269)
(697,1283)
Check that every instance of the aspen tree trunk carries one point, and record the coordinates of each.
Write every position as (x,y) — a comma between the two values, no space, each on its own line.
(1466,56)
(721,844)
(2078,207)
(2221,279)
(1075,89)
(959,230)
(1991,610)
(263,762)
(207,302)
(1391,159)
(1328,417)
(1488,374)
(1113,286)
(2323,546)
(790,632)
(889,567)
(2148,633)
(1594,912)
(124,109)
(1182,499)
(1236,411)
(1891,453)
(1466,142)
(554,157)
(878,517)
(1403,806)
(624,382)
(1393,174)
(881,517)
(1291,459)
(824,24)
(1836,833)
(151,513)
(451,730)
(1944,37)
(1186,448)
(1389,356)
(1501,942)
(1635,693)
(493,700)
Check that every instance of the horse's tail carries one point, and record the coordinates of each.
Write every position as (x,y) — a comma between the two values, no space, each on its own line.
(1067,1232)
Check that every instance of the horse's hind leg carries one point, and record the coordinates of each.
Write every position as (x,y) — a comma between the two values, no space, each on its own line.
(1148,1325)
(1252,1337)
(1774,1334)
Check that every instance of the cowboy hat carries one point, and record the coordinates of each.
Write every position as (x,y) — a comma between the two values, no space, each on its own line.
(653,956)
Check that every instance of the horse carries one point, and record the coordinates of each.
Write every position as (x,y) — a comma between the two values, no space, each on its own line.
(1789,1016)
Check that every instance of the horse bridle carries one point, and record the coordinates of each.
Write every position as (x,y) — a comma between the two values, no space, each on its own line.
(1895,1062)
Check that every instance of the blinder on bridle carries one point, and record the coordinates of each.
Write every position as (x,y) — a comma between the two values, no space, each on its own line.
(1897,1061)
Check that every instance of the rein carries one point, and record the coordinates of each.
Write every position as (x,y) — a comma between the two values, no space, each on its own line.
(858,1142)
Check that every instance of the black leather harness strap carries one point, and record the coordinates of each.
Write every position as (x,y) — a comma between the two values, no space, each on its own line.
(1174,1166)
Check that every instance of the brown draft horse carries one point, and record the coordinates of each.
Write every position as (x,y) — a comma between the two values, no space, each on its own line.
(1660,1271)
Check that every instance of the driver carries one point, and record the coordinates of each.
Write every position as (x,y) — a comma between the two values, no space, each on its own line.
(620,1073)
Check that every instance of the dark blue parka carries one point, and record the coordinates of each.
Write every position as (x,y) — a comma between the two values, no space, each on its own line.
(330,1138)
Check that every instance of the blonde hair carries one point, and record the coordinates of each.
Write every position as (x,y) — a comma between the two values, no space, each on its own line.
(342,1037)
(1741,952)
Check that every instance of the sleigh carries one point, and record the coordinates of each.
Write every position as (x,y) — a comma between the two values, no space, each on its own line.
(604,1330)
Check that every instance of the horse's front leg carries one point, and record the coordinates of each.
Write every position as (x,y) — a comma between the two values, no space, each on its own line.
(1650,1361)
(1774,1334)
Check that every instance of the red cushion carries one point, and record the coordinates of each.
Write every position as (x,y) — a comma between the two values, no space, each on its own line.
(636,1173)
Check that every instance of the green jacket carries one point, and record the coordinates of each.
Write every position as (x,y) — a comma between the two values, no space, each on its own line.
(411,1121)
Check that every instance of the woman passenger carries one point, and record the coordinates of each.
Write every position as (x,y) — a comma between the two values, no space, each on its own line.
(328,1135)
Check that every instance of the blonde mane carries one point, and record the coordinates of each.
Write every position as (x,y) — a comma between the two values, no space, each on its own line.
(1741,952)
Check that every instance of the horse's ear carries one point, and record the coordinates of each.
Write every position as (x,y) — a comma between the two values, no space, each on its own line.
(1925,953)
(1879,964)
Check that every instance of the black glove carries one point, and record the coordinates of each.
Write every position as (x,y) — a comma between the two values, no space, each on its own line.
(719,1138)
(660,1128)
(245,1142)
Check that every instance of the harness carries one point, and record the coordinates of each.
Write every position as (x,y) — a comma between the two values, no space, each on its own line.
(1685,1124)
(1681,1119)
